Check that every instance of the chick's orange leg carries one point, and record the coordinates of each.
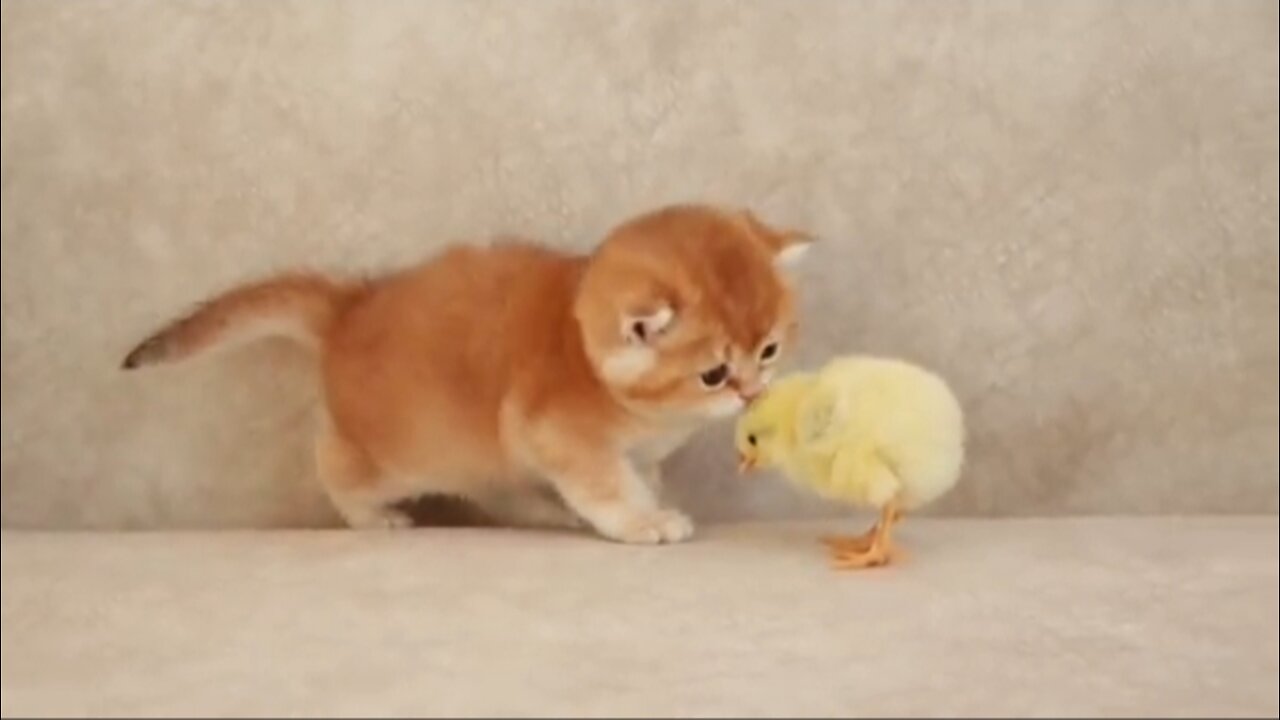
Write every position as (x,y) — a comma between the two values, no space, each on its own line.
(880,550)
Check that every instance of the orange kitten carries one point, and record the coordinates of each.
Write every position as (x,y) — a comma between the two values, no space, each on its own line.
(490,373)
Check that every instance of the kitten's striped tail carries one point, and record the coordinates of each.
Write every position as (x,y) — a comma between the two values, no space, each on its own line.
(298,306)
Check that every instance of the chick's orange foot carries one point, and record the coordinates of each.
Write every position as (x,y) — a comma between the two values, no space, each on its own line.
(878,555)
(873,548)
(850,543)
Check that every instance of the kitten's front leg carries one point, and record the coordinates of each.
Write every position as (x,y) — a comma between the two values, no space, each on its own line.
(651,471)
(608,492)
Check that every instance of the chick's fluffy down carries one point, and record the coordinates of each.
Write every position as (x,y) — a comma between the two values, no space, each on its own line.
(890,430)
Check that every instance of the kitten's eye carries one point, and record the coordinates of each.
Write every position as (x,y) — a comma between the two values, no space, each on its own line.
(769,352)
(715,377)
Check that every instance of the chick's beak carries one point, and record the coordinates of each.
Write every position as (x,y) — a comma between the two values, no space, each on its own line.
(746,463)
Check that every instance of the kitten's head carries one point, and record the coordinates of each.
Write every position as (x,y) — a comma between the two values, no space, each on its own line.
(686,311)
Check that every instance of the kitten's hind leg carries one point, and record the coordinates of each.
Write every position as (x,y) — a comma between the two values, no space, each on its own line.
(358,490)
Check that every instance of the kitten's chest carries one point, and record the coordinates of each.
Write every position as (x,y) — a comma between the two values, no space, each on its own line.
(656,446)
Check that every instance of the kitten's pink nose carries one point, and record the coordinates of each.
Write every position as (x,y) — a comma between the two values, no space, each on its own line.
(750,392)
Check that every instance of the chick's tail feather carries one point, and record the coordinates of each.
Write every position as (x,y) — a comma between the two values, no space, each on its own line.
(298,306)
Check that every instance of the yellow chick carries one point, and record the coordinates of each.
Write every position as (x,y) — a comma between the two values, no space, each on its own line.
(866,431)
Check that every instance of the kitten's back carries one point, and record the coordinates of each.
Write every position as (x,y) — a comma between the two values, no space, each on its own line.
(416,373)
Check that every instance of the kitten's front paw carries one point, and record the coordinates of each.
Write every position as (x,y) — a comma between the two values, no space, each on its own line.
(654,527)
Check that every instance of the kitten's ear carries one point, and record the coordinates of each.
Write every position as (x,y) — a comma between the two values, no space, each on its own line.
(788,246)
(792,247)
(642,325)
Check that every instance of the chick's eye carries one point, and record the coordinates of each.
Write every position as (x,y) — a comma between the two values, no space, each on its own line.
(769,351)
(715,377)
(751,440)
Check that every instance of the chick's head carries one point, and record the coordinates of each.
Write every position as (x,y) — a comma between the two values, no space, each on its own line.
(765,432)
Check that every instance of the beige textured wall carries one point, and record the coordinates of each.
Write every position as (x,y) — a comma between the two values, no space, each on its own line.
(1068,208)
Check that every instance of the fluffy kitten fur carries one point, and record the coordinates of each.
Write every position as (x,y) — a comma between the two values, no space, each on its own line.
(499,373)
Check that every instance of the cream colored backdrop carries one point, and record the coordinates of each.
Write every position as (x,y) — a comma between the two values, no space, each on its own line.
(1068,208)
